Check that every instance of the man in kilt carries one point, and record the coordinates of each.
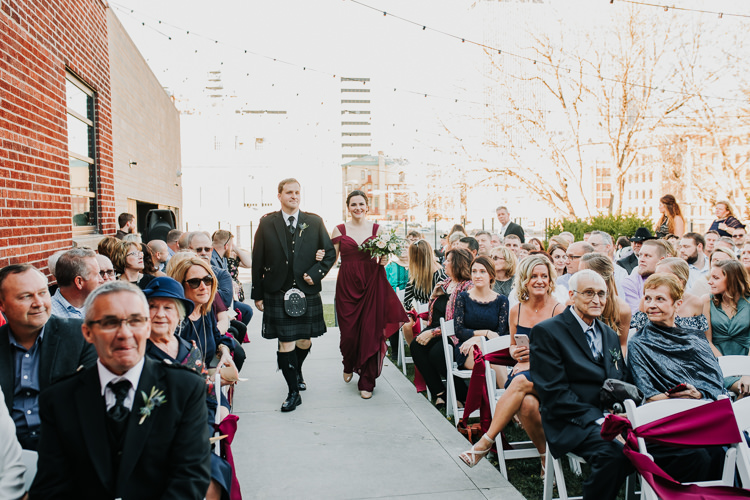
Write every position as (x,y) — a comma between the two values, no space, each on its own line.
(292,249)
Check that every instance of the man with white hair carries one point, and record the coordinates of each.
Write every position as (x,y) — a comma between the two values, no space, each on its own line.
(571,355)
(603,244)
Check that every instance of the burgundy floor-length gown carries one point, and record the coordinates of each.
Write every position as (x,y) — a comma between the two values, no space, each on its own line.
(367,308)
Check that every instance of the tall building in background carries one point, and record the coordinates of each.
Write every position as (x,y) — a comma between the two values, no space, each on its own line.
(356,118)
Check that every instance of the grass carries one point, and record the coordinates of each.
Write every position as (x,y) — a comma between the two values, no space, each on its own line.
(329,314)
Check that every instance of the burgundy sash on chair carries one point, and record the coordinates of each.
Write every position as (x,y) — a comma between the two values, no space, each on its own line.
(711,424)
(477,396)
(419,382)
(228,426)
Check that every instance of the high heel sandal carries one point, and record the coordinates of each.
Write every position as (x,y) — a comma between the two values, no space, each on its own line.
(348,377)
(472,457)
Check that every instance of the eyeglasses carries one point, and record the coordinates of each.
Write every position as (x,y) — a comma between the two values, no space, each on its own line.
(196,282)
(109,272)
(738,236)
(202,249)
(136,252)
(113,323)
(590,294)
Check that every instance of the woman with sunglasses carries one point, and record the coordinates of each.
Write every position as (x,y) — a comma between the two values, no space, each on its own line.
(127,258)
(199,284)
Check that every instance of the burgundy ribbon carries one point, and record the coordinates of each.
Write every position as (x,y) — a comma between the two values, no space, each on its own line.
(477,396)
(706,425)
(419,382)
(228,426)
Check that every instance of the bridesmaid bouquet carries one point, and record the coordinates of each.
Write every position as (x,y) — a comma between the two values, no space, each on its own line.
(383,244)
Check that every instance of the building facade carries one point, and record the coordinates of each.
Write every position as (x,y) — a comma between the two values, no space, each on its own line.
(58,172)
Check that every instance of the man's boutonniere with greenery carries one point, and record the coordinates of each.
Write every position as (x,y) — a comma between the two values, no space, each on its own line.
(302,228)
(616,356)
(154,400)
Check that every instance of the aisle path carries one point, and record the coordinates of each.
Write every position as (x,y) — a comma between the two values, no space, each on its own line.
(339,446)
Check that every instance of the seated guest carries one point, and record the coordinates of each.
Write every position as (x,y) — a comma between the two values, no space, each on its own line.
(470,244)
(622,248)
(616,313)
(630,262)
(413,236)
(711,237)
(573,259)
(11,461)
(167,308)
(150,264)
(525,250)
(427,348)
(536,303)
(505,270)
(200,243)
(480,312)
(571,356)
(77,274)
(100,439)
(513,242)
(397,270)
(199,285)
(37,349)
(688,314)
(720,253)
(559,257)
(160,253)
(173,241)
(128,261)
(663,355)
(652,251)
(107,246)
(106,269)
(726,243)
(484,239)
(567,236)
(454,239)
(745,256)
(496,240)
(728,313)
(537,244)
(227,257)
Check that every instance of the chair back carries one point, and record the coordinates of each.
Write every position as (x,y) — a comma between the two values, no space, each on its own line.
(734,365)
(29,459)
(496,344)
(421,307)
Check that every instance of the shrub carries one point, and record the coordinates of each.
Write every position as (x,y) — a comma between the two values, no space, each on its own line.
(615,225)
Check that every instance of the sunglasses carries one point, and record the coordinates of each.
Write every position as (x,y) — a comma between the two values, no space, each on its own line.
(196,282)
(203,249)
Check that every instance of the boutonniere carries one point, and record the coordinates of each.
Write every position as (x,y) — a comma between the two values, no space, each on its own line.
(302,228)
(616,356)
(154,400)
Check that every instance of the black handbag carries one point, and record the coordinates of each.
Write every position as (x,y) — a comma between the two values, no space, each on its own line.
(295,303)
(614,392)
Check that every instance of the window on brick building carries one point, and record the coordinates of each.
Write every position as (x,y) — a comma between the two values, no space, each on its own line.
(81,154)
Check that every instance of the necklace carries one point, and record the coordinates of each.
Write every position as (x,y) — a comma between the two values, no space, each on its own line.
(203,346)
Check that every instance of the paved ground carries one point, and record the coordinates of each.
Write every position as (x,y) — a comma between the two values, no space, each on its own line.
(339,446)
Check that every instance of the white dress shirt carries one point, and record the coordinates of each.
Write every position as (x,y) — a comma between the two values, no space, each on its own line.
(106,376)
(286,218)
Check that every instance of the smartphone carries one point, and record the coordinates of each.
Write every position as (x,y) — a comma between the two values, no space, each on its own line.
(522,340)
(677,388)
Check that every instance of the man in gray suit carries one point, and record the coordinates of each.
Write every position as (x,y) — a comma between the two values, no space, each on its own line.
(35,348)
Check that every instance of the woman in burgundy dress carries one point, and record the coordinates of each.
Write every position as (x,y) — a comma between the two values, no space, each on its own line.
(367,308)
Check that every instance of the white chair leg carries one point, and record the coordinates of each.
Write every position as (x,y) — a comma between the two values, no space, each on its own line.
(558,474)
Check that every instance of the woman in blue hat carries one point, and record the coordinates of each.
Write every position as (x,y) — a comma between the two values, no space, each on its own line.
(167,308)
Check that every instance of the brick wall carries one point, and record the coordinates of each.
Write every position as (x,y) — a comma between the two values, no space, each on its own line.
(39,40)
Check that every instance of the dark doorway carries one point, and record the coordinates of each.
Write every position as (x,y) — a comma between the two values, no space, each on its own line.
(141,212)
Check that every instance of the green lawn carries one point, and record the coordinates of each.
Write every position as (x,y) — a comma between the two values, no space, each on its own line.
(329,314)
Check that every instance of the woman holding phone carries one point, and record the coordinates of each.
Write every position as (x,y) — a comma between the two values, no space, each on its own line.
(535,285)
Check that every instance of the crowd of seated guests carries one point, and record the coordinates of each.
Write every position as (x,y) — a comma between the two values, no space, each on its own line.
(184,328)
(688,303)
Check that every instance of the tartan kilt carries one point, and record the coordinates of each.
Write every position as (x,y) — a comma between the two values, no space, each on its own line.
(277,324)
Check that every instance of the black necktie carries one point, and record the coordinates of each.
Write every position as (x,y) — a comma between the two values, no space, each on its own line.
(291,224)
(119,412)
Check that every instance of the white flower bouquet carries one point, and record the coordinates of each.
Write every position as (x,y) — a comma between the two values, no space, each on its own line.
(383,244)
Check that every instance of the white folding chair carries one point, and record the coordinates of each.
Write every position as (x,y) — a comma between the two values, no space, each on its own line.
(732,366)
(451,408)
(656,410)
(555,474)
(521,449)
(742,415)
(217,418)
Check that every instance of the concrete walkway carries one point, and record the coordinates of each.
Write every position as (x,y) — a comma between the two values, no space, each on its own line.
(339,446)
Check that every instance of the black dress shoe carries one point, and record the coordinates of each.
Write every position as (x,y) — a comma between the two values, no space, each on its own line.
(301,385)
(293,400)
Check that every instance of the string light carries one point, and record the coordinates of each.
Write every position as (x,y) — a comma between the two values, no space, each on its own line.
(132,13)
(535,61)
(685,9)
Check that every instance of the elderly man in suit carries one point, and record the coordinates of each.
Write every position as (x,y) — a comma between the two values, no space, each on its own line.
(506,226)
(292,251)
(571,355)
(128,427)
(36,349)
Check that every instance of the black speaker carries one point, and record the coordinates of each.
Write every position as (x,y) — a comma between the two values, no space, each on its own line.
(158,224)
